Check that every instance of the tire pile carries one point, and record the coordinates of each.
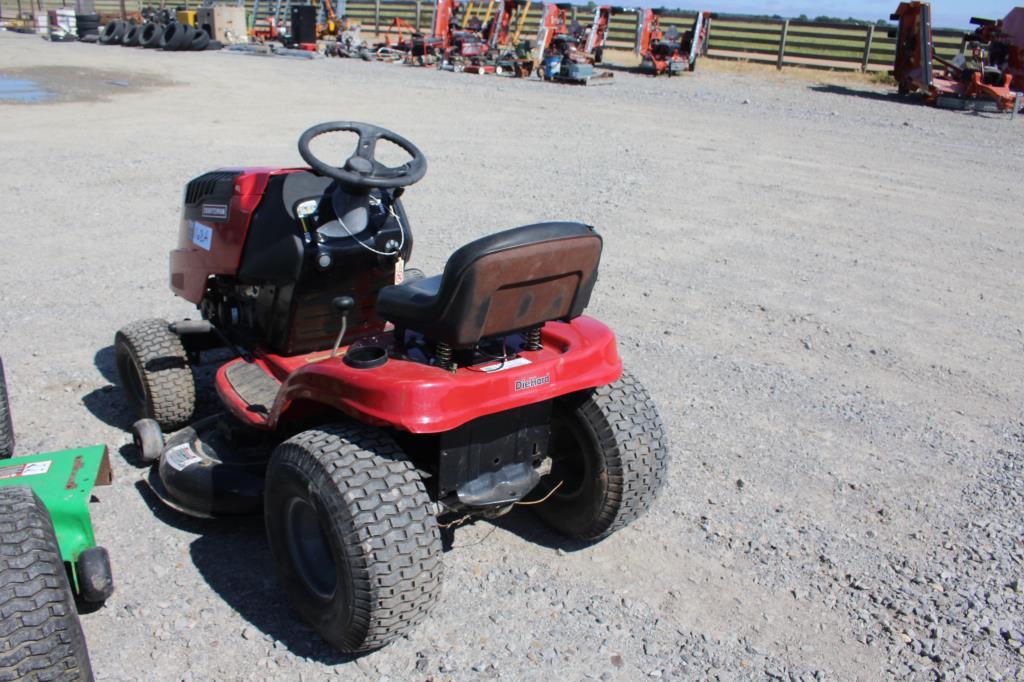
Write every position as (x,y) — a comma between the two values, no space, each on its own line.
(87,27)
(171,36)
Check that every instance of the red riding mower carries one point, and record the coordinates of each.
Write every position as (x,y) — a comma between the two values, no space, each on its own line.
(365,400)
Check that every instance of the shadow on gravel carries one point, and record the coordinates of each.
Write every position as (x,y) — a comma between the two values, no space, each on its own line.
(866,94)
(130,454)
(530,528)
(233,557)
(107,405)
(106,362)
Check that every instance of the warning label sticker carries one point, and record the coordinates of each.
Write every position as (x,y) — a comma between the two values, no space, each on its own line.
(510,364)
(181,456)
(30,469)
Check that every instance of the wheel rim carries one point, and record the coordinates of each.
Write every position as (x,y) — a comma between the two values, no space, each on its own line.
(569,464)
(131,377)
(309,549)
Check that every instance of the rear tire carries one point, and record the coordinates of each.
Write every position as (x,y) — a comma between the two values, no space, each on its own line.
(353,535)
(42,637)
(155,373)
(6,425)
(610,452)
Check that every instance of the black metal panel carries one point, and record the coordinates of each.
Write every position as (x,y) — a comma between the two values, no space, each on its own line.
(497,451)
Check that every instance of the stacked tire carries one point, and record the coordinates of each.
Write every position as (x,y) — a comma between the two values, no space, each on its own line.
(172,37)
(88,27)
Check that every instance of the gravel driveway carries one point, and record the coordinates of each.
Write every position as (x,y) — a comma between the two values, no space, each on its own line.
(820,286)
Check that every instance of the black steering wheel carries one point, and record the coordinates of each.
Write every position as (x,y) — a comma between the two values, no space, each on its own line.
(362,170)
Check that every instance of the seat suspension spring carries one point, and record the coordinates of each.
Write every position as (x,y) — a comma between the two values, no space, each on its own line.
(443,353)
(533,339)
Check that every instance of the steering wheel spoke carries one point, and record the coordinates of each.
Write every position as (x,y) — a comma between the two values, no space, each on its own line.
(367,147)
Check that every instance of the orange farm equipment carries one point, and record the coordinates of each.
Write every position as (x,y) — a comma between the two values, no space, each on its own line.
(398,40)
(987,74)
(667,50)
(568,50)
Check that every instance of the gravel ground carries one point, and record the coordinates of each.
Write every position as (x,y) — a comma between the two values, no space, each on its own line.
(818,284)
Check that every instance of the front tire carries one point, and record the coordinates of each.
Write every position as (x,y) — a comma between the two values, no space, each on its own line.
(353,535)
(155,373)
(42,637)
(610,453)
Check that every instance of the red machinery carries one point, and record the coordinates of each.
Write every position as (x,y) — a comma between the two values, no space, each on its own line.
(567,49)
(362,400)
(553,23)
(597,33)
(506,26)
(398,38)
(449,40)
(668,51)
(988,72)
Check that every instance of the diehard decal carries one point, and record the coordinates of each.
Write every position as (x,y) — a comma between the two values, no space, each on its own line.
(532,382)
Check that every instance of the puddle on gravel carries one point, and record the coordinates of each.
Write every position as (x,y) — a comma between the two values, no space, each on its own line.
(54,84)
(19,90)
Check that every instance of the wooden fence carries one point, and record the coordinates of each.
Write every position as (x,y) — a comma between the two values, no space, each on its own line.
(841,46)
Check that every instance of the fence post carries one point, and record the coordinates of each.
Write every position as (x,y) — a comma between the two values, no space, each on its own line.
(867,48)
(124,11)
(572,13)
(419,13)
(639,31)
(782,44)
(376,17)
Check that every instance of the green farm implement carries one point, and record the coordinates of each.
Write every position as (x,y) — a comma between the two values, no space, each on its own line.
(48,556)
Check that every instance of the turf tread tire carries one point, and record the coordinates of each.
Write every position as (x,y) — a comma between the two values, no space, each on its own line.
(40,635)
(167,380)
(624,422)
(378,506)
(6,424)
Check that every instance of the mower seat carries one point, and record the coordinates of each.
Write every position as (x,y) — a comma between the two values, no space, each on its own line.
(507,282)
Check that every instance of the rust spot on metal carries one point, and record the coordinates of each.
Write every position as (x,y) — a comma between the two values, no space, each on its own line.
(79,462)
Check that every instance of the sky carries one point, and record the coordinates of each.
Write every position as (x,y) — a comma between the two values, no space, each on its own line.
(945,13)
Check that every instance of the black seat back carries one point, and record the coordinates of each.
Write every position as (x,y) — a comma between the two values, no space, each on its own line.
(507,282)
